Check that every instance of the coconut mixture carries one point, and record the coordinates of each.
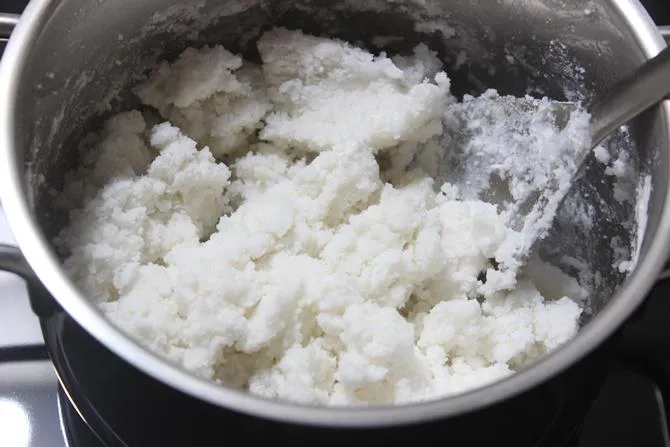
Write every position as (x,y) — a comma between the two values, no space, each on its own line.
(278,228)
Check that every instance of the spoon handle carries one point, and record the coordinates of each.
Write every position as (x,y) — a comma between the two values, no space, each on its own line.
(646,86)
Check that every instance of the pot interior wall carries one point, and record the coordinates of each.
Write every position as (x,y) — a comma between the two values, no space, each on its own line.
(89,53)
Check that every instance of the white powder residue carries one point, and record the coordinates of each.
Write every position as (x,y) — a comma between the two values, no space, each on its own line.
(622,170)
(619,253)
(601,154)
(519,153)
(629,189)
(320,263)
(641,216)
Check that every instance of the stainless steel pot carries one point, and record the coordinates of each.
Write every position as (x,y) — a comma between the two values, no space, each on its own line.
(67,60)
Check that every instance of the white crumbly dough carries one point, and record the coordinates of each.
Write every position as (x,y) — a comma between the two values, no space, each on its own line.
(296,271)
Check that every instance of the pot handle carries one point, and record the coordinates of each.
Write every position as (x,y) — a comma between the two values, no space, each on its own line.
(11,260)
(7,24)
(41,301)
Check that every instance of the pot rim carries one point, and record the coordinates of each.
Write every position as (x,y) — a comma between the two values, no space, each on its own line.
(46,265)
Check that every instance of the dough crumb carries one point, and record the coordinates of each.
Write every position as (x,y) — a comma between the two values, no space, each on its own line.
(281,229)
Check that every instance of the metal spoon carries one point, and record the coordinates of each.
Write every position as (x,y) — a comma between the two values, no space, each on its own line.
(645,87)
(648,85)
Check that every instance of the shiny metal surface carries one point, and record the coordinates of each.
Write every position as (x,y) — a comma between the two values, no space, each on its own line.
(627,99)
(665,32)
(7,23)
(28,405)
(11,260)
(28,389)
(66,58)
